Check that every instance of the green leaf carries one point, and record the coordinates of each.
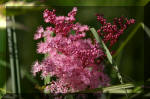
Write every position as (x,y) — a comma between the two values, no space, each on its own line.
(47,80)
(53,34)
(73,32)
(146,29)
(109,57)
(2,21)
(99,40)
(114,89)
(2,92)
(138,89)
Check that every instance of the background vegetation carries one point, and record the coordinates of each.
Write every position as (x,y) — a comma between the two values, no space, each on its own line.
(131,48)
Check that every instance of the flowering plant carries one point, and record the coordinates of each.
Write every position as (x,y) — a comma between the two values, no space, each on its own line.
(75,61)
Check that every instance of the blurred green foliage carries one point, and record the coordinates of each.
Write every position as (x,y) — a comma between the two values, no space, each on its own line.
(130,57)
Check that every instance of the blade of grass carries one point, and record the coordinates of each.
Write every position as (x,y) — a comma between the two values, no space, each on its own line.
(11,59)
(146,29)
(16,57)
(99,40)
(108,54)
(112,89)
(127,40)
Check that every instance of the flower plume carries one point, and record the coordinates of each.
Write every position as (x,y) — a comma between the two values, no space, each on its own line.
(74,61)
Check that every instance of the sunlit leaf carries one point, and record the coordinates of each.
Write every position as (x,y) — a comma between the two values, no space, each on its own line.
(137,89)
(2,92)
(2,21)
(10,24)
(19,3)
(19,7)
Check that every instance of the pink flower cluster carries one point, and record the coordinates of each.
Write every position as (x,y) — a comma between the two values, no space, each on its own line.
(111,32)
(70,57)
(74,61)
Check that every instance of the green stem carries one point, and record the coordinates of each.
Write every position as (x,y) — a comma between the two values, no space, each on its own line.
(16,57)
(108,54)
(146,29)
(111,89)
(11,59)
